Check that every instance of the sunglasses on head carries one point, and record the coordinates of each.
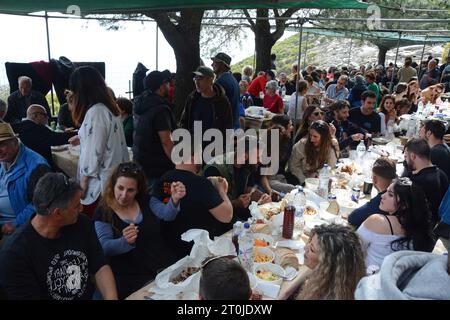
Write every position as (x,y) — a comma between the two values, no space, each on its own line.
(129,167)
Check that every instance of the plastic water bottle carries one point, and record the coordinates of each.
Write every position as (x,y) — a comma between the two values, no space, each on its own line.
(237,230)
(390,129)
(420,108)
(283,91)
(300,203)
(300,197)
(324,178)
(246,248)
(411,126)
(361,149)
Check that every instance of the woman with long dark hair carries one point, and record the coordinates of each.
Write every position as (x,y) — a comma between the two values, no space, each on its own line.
(311,153)
(406,227)
(129,232)
(311,114)
(387,112)
(101,137)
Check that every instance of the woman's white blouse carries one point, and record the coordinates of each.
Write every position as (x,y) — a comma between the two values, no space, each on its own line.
(102,147)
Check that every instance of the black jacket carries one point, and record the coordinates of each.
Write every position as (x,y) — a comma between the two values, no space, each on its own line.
(223,118)
(40,138)
(147,148)
(18,105)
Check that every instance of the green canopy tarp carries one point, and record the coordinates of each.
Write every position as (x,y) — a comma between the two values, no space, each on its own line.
(382,35)
(123,6)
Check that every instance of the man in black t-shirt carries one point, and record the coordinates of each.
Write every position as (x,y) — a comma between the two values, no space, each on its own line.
(154,122)
(431,179)
(365,116)
(205,205)
(53,256)
(433,132)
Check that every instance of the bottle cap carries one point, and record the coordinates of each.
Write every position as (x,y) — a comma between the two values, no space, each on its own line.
(246,225)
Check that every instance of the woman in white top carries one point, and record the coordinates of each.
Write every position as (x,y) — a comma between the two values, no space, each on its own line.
(387,113)
(296,114)
(407,225)
(101,136)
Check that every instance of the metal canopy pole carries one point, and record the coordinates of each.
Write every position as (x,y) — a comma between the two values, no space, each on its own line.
(423,51)
(156,46)
(306,49)
(302,22)
(395,63)
(49,57)
(350,52)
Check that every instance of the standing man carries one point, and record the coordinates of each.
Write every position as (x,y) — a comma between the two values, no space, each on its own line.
(208,104)
(54,256)
(433,132)
(35,134)
(221,67)
(365,117)
(20,100)
(154,122)
(430,178)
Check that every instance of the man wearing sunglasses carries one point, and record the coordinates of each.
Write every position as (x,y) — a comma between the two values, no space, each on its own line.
(56,254)
(35,134)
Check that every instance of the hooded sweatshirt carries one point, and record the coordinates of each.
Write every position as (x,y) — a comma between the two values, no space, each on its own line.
(408,275)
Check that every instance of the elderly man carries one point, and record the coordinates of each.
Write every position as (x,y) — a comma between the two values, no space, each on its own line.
(290,87)
(20,100)
(37,136)
(54,256)
(20,169)
(337,91)
(430,76)
(207,104)
(221,66)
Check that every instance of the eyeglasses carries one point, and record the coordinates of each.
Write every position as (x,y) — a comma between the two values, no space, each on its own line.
(129,167)
(318,113)
(209,259)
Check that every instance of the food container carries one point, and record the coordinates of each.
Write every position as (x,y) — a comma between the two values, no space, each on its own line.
(269,272)
(263,255)
(262,240)
(312,183)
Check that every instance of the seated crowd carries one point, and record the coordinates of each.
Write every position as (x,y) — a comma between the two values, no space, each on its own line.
(121,221)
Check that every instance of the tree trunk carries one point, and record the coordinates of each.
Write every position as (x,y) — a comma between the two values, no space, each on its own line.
(382,50)
(184,38)
(263,50)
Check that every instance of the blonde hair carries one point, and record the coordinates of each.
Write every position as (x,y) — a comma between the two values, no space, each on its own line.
(341,264)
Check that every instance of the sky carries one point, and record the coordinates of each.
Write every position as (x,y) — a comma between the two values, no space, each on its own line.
(82,40)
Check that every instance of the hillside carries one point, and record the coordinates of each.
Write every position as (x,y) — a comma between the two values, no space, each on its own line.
(324,51)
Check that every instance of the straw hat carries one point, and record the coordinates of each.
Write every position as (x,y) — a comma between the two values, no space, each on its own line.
(6,132)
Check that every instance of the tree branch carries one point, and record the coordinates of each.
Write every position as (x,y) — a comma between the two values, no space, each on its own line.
(249,19)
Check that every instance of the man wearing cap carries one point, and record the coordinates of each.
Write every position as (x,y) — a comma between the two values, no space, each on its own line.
(20,169)
(37,136)
(221,66)
(154,122)
(208,104)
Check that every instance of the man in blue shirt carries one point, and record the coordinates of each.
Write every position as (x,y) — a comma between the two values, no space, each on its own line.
(221,67)
(337,91)
(383,172)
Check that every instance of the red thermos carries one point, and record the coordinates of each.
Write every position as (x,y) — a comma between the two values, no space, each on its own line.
(288,221)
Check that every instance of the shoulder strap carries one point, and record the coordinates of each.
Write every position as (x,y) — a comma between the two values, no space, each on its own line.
(390,225)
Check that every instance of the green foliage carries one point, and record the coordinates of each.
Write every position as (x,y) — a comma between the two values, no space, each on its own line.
(4,92)
(55,103)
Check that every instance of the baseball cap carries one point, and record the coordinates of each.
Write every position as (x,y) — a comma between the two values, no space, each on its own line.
(222,57)
(156,78)
(204,71)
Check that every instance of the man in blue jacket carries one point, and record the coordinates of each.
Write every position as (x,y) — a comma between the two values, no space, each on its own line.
(383,172)
(20,170)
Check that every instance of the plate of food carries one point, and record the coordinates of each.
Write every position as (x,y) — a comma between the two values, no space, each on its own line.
(262,240)
(185,273)
(380,140)
(269,272)
(270,209)
(263,255)
(60,148)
